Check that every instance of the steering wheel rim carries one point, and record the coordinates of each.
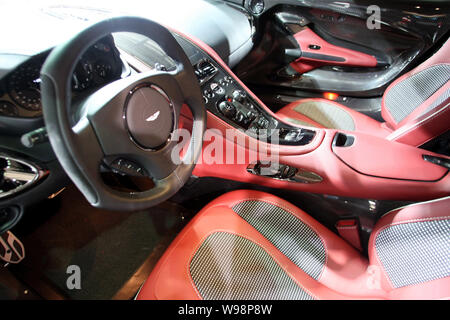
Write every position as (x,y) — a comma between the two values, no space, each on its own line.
(104,132)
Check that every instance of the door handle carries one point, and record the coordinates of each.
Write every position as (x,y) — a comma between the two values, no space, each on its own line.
(343,5)
(291,22)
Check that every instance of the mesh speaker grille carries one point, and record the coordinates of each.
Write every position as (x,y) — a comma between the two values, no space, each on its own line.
(327,114)
(287,233)
(410,93)
(413,253)
(230,267)
(438,102)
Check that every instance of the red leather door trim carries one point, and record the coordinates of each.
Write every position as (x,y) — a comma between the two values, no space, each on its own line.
(326,54)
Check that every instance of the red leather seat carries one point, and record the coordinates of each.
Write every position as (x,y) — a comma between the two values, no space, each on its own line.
(252,245)
(415,107)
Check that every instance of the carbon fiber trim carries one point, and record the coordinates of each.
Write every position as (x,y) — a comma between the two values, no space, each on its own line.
(295,239)
(327,114)
(230,267)
(413,253)
(410,93)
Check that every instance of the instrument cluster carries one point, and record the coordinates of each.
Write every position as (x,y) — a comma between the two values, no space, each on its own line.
(99,65)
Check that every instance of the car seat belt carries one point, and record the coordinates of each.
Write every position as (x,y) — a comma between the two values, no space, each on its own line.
(348,229)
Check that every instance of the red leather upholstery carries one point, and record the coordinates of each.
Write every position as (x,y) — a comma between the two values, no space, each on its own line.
(381,158)
(441,57)
(425,211)
(362,122)
(337,55)
(429,119)
(345,275)
(426,121)
(317,156)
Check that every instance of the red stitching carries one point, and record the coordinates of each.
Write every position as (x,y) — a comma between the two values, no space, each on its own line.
(351,227)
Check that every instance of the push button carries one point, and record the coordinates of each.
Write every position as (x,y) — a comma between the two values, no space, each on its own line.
(208,93)
(314,47)
(227,109)
(127,167)
(239,96)
(216,88)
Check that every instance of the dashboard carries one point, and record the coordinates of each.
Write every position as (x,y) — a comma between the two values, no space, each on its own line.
(102,64)
(24,141)
(20,90)
(23,52)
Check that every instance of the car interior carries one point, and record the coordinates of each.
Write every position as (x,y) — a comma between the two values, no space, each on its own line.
(225,150)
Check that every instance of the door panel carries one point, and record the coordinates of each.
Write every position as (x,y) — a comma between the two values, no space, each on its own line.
(327,46)
(316,52)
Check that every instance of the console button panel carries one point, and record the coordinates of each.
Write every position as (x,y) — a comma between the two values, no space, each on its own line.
(283,172)
(226,99)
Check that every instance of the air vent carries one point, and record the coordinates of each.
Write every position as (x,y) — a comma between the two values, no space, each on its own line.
(17,175)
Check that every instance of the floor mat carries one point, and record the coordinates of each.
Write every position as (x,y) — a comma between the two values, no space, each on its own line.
(107,246)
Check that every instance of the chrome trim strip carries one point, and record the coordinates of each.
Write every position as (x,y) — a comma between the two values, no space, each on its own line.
(14,173)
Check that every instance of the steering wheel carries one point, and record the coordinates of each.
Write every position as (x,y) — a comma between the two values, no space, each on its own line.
(133,118)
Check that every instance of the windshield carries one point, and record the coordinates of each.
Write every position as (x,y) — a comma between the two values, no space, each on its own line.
(36,26)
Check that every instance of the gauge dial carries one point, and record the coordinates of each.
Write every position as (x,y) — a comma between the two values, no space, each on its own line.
(256,6)
(24,86)
(103,69)
(8,109)
(83,75)
(102,47)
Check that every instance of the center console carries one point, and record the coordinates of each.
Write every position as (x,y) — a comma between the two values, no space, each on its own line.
(226,99)
(353,165)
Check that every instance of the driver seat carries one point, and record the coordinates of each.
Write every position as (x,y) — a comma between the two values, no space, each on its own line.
(253,245)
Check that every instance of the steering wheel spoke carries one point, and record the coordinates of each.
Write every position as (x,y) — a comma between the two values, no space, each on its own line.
(84,134)
(159,165)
